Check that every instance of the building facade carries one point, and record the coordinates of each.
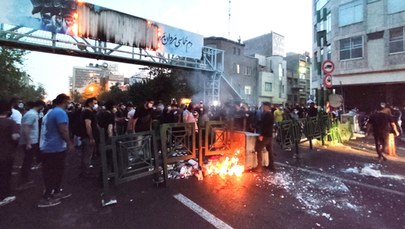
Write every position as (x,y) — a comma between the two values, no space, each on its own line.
(272,81)
(365,39)
(298,78)
(94,73)
(239,79)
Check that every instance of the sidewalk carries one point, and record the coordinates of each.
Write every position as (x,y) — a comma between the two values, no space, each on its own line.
(360,142)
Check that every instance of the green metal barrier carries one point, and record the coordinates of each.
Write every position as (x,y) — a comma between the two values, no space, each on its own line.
(125,158)
(291,133)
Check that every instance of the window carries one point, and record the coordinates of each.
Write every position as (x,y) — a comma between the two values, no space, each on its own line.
(238,51)
(351,13)
(248,71)
(280,71)
(396,40)
(248,90)
(395,6)
(351,48)
(234,50)
(236,68)
(268,86)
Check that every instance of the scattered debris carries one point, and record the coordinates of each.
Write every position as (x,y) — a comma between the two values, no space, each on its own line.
(372,170)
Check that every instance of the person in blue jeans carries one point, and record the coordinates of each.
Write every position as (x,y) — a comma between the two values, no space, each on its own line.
(54,145)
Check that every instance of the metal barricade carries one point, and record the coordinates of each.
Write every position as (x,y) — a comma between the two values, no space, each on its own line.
(215,139)
(178,142)
(125,158)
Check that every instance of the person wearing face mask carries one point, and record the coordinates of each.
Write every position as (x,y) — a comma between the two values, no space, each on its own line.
(54,144)
(121,119)
(89,135)
(106,120)
(143,117)
(30,141)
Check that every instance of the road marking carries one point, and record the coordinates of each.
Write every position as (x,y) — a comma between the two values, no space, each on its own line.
(344,179)
(202,212)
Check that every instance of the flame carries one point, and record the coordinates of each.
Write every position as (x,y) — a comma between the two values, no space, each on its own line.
(229,166)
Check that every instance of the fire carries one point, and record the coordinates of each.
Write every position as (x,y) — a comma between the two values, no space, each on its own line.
(229,166)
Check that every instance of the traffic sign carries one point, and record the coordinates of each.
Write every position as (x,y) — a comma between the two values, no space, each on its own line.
(327,81)
(328,67)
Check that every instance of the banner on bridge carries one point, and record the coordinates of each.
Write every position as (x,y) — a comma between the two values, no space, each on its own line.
(85,20)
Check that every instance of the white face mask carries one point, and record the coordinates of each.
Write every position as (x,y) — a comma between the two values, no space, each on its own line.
(95,107)
(21,105)
(114,110)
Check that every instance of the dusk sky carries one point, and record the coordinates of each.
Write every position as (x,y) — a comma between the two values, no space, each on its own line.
(290,18)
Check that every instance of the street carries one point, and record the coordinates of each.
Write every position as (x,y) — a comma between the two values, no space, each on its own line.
(329,187)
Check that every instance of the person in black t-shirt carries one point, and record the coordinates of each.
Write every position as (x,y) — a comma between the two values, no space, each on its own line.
(90,134)
(143,116)
(106,120)
(9,136)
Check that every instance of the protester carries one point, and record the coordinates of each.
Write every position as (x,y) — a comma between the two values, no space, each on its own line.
(143,117)
(382,124)
(106,120)
(9,136)
(16,114)
(54,145)
(265,138)
(90,135)
(30,141)
(188,116)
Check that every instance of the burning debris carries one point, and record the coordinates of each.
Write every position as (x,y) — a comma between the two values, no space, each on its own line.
(216,165)
(223,167)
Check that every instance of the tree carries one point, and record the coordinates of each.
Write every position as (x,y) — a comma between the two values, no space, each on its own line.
(15,82)
(163,85)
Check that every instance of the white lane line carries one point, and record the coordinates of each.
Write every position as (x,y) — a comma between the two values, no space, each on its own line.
(202,212)
(343,179)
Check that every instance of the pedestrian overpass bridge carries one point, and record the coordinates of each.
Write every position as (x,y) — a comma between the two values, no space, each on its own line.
(85,30)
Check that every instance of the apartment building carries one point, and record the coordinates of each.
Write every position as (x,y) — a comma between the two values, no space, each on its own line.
(365,39)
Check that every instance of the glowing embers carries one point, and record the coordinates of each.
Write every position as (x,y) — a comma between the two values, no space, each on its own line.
(224,166)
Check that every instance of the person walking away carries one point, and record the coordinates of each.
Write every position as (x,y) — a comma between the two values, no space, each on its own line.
(29,141)
(9,136)
(381,124)
(90,135)
(54,145)
(266,138)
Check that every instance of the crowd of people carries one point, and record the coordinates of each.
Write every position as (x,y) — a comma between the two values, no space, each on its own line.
(45,133)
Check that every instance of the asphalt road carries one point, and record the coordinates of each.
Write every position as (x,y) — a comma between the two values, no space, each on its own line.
(330,187)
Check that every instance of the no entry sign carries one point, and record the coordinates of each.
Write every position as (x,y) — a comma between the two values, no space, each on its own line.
(327,81)
(328,67)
